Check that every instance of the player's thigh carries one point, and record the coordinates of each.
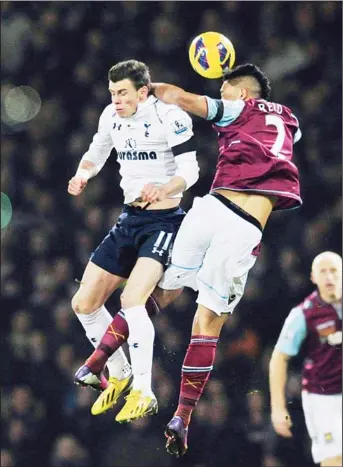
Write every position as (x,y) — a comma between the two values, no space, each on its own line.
(222,277)
(117,253)
(323,417)
(110,264)
(96,286)
(190,245)
(142,281)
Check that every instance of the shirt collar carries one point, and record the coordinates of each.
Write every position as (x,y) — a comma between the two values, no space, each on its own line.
(143,105)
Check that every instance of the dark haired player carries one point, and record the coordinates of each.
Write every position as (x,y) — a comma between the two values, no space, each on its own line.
(315,324)
(219,237)
(156,152)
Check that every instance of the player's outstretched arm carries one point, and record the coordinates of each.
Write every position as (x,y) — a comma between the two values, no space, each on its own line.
(187,101)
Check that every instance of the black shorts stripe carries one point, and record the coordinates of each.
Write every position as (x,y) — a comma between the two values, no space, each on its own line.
(187,146)
(220,111)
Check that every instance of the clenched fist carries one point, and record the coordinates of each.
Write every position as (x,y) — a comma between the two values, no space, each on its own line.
(77,184)
(152,193)
(282,422)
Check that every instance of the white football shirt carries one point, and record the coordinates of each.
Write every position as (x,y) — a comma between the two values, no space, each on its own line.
(143,143)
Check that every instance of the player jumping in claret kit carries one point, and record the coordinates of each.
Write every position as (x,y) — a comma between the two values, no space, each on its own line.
(218,239)
(157,158)
(315,324)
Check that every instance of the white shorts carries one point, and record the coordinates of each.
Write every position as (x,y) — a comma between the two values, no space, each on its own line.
(323,416)
(212,254)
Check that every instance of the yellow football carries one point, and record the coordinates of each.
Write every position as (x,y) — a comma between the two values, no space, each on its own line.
(211,54)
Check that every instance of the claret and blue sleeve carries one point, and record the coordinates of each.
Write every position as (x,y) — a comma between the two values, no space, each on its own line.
(223,112)
(293,333)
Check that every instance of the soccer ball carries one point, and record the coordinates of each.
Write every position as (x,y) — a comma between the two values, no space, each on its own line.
(211,54)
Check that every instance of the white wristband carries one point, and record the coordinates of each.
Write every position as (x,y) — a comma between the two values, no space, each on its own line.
(83,173)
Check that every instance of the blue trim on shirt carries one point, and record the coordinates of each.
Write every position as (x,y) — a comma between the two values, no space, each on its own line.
(232,110)
(293,333)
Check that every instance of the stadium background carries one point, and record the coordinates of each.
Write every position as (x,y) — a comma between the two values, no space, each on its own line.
(62,51)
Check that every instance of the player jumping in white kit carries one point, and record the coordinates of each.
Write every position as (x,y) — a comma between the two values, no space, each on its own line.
(156,152)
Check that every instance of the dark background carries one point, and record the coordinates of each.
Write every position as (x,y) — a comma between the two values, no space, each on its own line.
(63,51)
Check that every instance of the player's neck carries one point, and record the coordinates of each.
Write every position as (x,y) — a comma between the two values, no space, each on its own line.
(139,103)
(332,299)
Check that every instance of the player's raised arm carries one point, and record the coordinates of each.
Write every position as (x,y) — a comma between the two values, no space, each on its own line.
(94,159)
(222,112)
(187,101)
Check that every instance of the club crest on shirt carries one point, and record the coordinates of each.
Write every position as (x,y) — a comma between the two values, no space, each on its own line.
(328,438)
(324,329)
(146,126)
(130,143)
(179,126)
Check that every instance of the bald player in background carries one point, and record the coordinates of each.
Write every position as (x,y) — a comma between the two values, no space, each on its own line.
(317,324)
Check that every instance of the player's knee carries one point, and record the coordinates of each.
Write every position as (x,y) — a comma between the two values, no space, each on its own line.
(129,300)
(84,305)
(207,322)
(165,297)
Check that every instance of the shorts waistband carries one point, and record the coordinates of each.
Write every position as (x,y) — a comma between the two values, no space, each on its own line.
(139,210)
(238,210)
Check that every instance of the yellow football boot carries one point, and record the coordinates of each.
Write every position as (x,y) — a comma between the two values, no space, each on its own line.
(110,395)
(137,405)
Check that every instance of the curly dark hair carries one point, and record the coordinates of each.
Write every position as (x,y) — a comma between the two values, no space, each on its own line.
(255,72)
(135,71)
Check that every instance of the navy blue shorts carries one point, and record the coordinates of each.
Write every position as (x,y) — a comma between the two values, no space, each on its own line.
(138,234)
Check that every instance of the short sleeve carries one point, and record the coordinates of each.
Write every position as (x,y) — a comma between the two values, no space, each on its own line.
(223,112)
(293,333)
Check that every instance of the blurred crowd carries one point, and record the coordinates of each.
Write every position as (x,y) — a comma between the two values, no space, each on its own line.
(63,50)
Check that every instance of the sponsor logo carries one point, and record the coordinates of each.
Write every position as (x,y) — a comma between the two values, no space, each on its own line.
(137,155)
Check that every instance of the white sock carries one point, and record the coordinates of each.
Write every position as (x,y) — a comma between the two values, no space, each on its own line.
(95,324)
(141,346)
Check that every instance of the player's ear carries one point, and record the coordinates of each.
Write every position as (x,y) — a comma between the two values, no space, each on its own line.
(143,92)
(244,94)
(312,278)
